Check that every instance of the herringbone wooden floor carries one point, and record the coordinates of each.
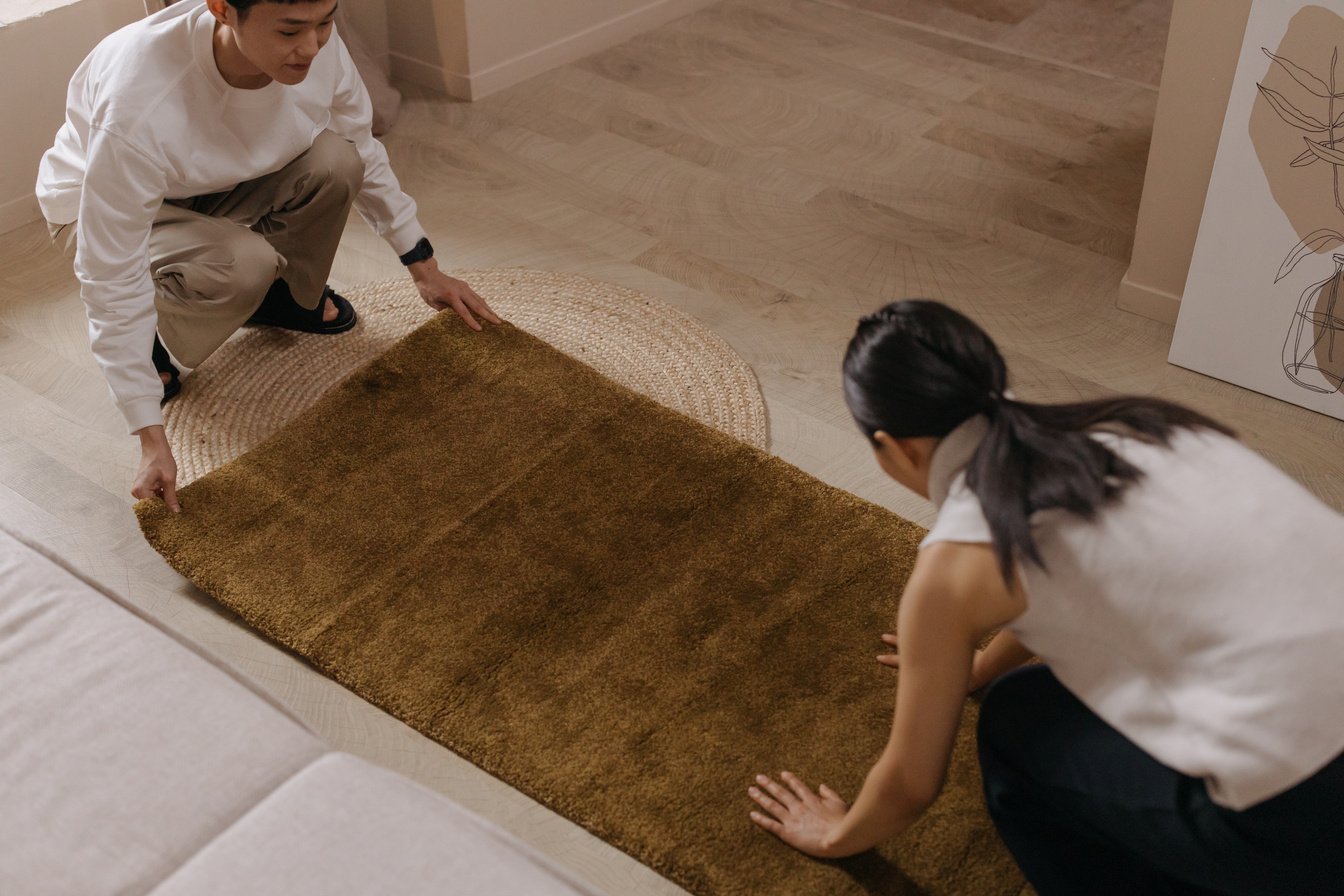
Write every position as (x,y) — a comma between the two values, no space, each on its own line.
(773,167)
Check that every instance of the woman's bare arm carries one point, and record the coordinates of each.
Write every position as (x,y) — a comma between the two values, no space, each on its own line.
(955,596)
(1003,653)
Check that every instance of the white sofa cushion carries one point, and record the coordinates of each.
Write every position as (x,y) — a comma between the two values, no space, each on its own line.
(122,750)
(343,827)
(130,761)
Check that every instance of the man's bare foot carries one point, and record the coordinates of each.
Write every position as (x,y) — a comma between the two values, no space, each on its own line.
(166,377)
(329,311)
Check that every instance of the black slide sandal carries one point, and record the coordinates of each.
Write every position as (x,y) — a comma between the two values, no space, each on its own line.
(279,309)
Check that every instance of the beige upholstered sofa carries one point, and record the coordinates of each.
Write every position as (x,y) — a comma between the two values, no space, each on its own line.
(133,762)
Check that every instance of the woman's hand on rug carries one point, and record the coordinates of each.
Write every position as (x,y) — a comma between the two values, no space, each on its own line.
(442,292)
(795,814)
(890,659)
(157,475)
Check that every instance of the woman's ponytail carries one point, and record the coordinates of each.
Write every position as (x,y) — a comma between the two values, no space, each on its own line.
(919,368)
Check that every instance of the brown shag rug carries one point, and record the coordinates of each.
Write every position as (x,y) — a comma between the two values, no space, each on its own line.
(615,609)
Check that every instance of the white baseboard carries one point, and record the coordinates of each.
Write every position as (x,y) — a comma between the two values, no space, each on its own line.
(1148,301)
(434,77)
(17,212)
(576,46)
(479,84)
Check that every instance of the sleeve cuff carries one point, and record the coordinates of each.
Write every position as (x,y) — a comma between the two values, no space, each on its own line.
(404,238)
(142,412)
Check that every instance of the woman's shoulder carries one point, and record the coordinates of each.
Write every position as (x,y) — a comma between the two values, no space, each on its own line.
(952,574)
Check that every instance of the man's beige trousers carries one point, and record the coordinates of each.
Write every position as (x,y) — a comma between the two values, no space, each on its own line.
(214,257)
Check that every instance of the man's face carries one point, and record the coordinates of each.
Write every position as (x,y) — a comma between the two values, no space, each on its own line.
(281,39)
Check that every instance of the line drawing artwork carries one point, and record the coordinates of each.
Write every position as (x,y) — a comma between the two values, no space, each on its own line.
(1315,340)
(1273,217)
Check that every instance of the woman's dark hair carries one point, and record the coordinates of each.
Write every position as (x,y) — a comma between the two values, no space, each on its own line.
(919,368)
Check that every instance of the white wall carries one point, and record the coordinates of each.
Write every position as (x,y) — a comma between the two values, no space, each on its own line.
(472,48)
(427,42)
(369,17)
(37,57)
(1203,47)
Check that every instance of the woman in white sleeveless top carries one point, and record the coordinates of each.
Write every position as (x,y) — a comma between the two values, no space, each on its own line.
(1184,730)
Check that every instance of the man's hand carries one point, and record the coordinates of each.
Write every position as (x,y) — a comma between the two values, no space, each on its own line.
(441,292)
(157,476)
(801,818)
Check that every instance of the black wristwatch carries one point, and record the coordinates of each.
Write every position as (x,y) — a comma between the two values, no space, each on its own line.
(419,252)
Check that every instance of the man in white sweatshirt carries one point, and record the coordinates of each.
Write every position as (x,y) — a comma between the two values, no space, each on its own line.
(202,179)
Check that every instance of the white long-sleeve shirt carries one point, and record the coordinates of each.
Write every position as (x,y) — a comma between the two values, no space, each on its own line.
(149,117)
(1201,614)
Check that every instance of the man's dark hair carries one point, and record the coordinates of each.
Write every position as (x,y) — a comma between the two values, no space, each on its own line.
(244,5)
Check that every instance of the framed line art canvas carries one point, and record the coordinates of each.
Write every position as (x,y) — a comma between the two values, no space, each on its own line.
(1264,301)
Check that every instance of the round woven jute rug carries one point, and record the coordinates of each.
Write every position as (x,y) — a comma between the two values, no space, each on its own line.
(263,377)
